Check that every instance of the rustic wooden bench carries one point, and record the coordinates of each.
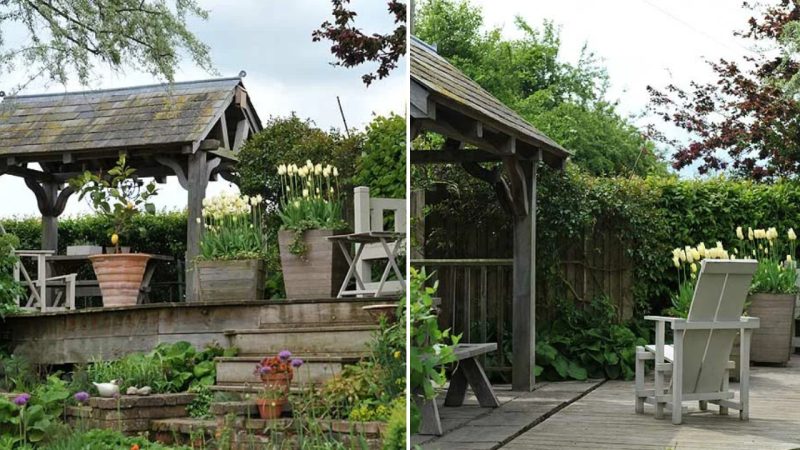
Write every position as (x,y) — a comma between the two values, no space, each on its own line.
(468,372)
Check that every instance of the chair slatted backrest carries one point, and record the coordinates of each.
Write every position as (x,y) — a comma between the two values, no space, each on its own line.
(719,296)
(370,215)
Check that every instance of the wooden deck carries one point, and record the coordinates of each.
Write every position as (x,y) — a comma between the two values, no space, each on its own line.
(605,419)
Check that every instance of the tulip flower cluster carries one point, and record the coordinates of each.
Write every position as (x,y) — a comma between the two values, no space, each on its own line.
(775,252)
(234,228)
(309,200)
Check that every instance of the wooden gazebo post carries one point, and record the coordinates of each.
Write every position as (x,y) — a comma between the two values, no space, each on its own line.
(445,101)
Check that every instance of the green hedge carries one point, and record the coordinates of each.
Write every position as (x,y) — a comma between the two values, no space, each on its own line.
(650,215)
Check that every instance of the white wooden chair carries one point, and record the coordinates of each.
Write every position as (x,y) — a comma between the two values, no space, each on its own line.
(698,359)
(38,287)
(369,216)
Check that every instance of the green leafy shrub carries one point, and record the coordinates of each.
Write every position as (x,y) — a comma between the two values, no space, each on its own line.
(106,440)
(431,348)
(584,342)
(200,407)
(395,437)
(382,165)
(36,419)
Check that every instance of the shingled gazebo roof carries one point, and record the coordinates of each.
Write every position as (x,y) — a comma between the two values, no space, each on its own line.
(453,97)
(151,116)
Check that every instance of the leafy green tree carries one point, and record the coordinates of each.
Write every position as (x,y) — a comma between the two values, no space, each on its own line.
(65,36)
(564,100)
(382,165)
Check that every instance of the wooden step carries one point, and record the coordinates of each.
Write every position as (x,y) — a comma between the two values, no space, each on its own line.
(317,368)
(340,339)
(183,425)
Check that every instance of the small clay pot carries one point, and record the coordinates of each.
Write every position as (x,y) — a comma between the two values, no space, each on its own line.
(270,409)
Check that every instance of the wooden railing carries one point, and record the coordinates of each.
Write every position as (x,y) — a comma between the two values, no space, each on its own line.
(475,301)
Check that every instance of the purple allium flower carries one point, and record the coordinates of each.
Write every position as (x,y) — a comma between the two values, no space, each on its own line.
(297,362)
(264,370)
(22,399)
(82,397)
(284,355)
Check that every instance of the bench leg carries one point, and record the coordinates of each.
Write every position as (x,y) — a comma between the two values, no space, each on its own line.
(430,423)
(458,387)
(479,383)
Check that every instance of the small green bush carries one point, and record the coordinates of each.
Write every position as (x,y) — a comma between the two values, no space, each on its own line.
(395,438)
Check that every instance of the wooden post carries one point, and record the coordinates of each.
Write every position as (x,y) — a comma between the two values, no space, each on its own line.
(524,294)
(197,181)
(361,224)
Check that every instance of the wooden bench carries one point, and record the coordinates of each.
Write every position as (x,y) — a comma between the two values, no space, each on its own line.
(468,372)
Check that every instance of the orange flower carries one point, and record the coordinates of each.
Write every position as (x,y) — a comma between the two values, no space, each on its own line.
(135,447)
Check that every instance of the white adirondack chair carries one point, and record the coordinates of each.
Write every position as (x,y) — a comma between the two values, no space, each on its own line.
(698,359)
(369,216)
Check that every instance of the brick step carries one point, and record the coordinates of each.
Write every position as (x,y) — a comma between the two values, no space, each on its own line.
(317,368)
(183,425)
(319,313)
(340,339)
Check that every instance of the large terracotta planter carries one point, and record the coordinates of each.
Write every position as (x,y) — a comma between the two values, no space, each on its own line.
(120,277)
(318,273)
(772,341)
(231,280)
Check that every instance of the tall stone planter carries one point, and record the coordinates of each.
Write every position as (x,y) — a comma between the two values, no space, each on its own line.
(319,272)
(772,342)
(120,277)
(231,280)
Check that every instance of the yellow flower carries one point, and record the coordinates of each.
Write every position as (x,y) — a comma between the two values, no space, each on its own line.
(689,255)
(791,234)
(676,262)
(739,233)
(335,172)
(701,249)
(305,192)
(115,239)
(397,355)
(696,254)
(788,258)
(129,205)
(750,233)
(693,267)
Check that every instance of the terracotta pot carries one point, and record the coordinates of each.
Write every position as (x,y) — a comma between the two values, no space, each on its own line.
(231,280)
(772,341)
(270,409)
(277,380)
(319,272)
(120,277)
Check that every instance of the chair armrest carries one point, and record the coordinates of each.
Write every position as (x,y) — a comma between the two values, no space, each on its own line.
(742,323)
(664,319)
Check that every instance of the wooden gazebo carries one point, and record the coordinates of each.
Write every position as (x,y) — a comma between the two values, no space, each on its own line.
(478,128)
(191,130)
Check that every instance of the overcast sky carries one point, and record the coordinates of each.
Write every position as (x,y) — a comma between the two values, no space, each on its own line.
(286,71)
(641,42)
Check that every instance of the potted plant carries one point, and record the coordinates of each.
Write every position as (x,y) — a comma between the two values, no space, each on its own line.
(233,249)
(270,402)
(119,196)
(773,292)
(277,371)
(310,211)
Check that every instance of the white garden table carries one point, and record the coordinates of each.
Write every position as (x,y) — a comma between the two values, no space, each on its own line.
(361,240)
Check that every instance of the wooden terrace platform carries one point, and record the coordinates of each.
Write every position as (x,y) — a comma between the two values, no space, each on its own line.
(604,418)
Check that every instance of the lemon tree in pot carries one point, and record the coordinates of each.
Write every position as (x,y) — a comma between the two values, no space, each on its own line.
(773,291)
(119,196)
(233,250)
(310,210)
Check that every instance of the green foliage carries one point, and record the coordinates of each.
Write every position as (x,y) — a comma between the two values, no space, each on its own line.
(234,228)
(584,342)
(116,195)
(168,368)
(101,439)
(395,437)
(10,290)
(382,166)
(35,421)
(65,37)
(292,139)
(200,407)
(566,101)
(16,374)
(431,348)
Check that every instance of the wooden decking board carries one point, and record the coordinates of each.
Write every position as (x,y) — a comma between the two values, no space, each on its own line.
(472,427)
(605,418)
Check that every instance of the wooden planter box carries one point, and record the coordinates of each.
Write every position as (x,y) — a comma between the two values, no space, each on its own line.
(772,342)
(318,273)
(131,414)
(231,280)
